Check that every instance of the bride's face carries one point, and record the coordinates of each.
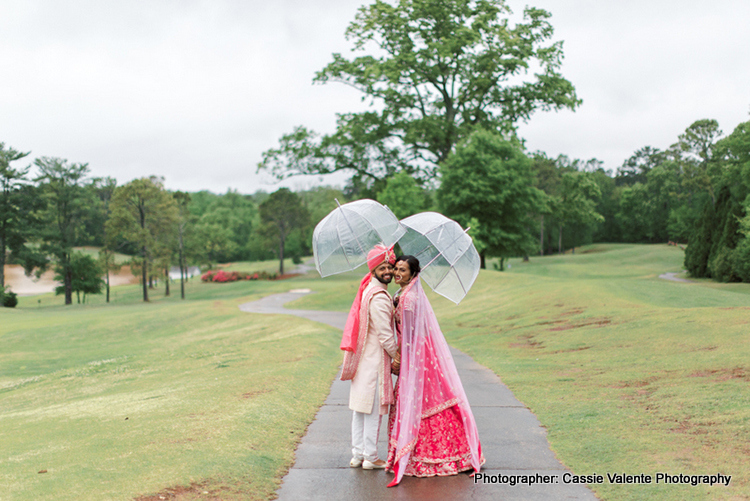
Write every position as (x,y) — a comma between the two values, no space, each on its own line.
(402,273)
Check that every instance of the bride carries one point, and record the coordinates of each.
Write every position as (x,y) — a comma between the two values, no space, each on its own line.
(431,428)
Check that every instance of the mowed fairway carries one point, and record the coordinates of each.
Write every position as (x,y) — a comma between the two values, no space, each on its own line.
(113,402)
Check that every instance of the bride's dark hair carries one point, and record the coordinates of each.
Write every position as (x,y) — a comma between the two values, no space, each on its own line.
(412,262)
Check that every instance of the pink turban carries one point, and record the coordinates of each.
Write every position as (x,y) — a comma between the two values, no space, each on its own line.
(378,254)
(375,257)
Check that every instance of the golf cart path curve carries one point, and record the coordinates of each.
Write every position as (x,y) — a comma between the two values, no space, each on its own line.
(513,441)
(674,278)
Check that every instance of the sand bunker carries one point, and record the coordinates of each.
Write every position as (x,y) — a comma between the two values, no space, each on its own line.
(30,286)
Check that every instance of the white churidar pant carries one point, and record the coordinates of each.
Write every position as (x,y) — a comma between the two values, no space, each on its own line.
(365,431)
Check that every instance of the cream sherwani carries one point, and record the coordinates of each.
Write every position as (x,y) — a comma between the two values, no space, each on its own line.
(367,384)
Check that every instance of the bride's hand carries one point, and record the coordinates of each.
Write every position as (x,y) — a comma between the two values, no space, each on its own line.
(395,366)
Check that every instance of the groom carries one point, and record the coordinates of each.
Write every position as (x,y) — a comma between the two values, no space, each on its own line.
(369,345)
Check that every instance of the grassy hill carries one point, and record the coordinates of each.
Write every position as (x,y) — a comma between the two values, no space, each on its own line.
(628,372)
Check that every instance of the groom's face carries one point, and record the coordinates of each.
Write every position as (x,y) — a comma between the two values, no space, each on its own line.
(383,272)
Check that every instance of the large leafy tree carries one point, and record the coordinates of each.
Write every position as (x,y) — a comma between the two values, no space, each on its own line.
(282,213)
(403,195)
(434,70)
(226,223)
(490,180)
(143,213)
(63,189)
(321,200)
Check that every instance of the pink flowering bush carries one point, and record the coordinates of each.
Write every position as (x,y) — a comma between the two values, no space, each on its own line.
(221,276)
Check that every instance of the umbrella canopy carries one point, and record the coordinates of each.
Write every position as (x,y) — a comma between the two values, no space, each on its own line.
(449,260)
(343,238)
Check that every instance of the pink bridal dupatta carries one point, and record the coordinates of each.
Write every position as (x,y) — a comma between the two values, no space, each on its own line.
(428,380)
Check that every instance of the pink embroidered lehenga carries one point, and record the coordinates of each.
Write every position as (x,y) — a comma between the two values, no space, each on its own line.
(431,428)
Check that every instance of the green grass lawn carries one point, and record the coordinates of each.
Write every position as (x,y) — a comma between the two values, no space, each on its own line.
(271,266)
(628,373)
(120,400)
(94,252)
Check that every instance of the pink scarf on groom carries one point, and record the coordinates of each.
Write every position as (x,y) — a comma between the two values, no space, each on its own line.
(351,330)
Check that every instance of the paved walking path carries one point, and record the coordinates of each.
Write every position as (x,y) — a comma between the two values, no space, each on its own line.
(513,441)
(674,278)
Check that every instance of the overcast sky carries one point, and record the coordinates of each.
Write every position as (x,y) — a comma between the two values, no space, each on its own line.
(195,91)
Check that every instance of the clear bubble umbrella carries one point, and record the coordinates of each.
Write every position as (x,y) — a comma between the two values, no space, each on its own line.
(446,253)
(343,238)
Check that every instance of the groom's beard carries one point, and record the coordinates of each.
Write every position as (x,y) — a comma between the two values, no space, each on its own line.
(383,279)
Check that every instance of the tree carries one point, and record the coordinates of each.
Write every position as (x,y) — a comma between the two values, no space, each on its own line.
(62,187)
(607,206)
(576,202)
(695,150)
(214,241)
(12,224)
(86,276)
(732,154)
(282,213)
(718,244)
(320,201)
(107,263)
(227,221)
(143,213)
(490,180)
(434,71)
(184,225)
(104,189)
(546,179)
(235,213)
(635,168)
(403,195)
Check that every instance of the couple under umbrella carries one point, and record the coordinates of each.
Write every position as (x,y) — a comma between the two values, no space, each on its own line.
(431,429)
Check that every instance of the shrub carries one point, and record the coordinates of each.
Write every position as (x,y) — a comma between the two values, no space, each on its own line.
(221,276)
(8,299)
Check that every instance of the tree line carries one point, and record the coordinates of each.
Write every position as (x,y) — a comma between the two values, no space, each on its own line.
(449,81)
(696,192)
(45,216)
(518,203)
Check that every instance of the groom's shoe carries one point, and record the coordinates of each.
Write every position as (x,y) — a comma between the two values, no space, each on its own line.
(355,463)
(378,464)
